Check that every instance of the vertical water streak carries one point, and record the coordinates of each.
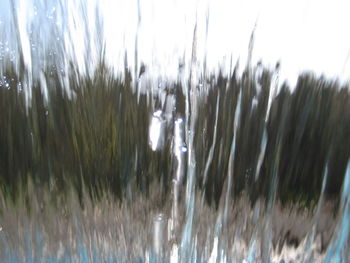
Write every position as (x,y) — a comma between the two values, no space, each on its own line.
(191,116)
(212,148)
(232,154)
(23,42)
(337,251)
(308,253)
(206,47)
(174,223)
(221,221)
(159,237)
(266,234)
(136,49)
(179,149)
(187,242)
(261,157)
(272,93)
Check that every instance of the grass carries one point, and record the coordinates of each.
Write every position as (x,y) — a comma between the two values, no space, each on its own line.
(59,229)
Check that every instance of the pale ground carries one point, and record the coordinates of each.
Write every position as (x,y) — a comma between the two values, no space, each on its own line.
(110,227)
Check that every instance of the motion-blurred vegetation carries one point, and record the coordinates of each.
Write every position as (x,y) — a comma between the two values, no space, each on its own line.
(95,136)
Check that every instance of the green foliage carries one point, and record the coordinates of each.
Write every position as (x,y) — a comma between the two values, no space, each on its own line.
(94,134)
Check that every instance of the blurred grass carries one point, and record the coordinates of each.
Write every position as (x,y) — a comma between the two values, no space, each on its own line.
(58,229)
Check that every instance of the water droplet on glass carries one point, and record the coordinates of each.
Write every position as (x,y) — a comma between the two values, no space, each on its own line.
(158,238)
(157,113)
(156,134)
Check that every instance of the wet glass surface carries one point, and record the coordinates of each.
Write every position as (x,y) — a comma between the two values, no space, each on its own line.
(109,159)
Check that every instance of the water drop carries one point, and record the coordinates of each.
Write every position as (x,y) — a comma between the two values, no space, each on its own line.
(157,113)
(158,238)
(156,134)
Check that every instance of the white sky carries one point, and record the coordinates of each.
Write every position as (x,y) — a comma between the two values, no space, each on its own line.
(302,34)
